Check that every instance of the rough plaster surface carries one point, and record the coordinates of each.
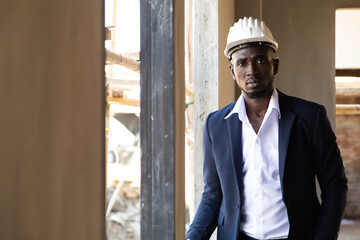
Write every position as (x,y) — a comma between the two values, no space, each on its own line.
(206,77)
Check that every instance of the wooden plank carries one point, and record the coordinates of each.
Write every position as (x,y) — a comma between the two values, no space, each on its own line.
(348,91)
(348,72)
(123,101)
(348,99)
(52,168)
(179,97)
(162,104)
(348,84)
(347,109)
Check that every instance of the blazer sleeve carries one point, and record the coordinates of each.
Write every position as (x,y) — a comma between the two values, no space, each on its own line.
(205,220)
(331,176)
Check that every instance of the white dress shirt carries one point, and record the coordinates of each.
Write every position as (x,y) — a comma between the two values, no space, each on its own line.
(263,212)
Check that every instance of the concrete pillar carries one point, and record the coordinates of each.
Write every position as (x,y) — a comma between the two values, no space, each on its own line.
(162,120)
(213,85)
(206,77)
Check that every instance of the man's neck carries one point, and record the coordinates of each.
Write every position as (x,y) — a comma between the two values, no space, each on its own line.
(256,109)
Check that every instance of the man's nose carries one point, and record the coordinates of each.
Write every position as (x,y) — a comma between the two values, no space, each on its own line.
(251,69)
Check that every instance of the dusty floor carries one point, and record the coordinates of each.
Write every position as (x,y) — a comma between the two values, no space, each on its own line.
(350,230)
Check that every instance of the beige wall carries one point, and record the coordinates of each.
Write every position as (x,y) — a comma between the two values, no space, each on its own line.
(305,31)
(306,36)
(52,175)
(226,83)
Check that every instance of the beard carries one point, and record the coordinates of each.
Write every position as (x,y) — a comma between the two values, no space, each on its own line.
(257,94)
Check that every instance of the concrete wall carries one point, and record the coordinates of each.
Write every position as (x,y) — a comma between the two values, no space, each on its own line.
(206,77)
(213,85)
(226,83)
(52,166)
(305,31)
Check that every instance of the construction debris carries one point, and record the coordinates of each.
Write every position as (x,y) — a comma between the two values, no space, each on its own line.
(123,222)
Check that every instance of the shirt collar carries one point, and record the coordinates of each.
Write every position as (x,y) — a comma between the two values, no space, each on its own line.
(240,109)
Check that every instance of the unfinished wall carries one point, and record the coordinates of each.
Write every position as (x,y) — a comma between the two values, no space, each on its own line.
(206,79)
(305,31)
(52,167)
(348,134)
(213,85)
(226,83)
(306,36)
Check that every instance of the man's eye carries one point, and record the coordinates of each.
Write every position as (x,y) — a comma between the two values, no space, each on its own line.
(241,64)
(260,61)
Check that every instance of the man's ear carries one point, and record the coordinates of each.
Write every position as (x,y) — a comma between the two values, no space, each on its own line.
(231,67)
(276,62)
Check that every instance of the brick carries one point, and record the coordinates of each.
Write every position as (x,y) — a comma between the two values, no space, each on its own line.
(348,139)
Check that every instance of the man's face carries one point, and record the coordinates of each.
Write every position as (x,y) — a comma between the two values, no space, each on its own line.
(254,68)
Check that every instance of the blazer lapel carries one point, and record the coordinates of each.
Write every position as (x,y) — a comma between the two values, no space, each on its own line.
(285,125)
(235,135)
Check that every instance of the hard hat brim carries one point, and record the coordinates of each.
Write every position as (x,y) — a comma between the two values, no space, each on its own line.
(250,44)
(234,44)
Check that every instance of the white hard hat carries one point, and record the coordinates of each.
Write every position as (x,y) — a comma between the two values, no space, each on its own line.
(247,31)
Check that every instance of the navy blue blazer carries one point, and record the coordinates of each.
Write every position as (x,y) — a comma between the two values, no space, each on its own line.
(307,148)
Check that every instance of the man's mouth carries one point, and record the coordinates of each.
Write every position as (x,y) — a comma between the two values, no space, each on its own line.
(252,82)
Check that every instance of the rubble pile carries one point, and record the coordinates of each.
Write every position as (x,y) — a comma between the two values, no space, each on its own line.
(123,222)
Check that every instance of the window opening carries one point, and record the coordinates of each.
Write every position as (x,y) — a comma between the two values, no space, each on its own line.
(122,23)
(347,82)
(189,115)
(347,61)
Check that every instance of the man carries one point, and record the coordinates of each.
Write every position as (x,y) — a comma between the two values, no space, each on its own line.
(263,152)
